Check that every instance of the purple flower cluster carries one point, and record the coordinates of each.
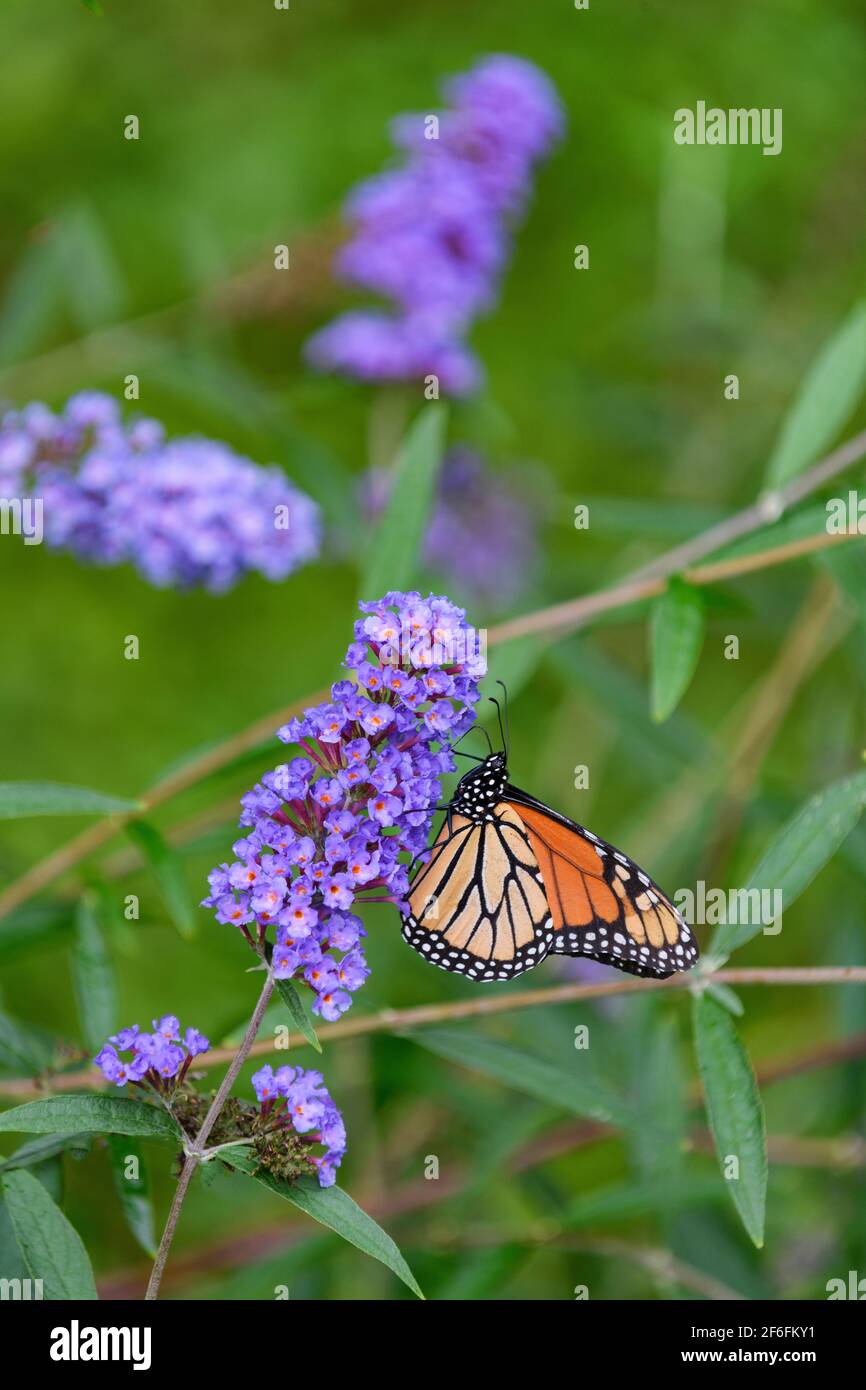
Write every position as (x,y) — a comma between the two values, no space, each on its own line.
(293,1097)
(186,513)
(490,562)
(161,1058)
(338,823)
(432,236)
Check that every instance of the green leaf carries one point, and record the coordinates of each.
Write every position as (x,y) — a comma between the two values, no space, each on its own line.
(52,1249)
(22,1047)
(55,799)
(334,1208)
(657,1141)
(35,924)
(396,544)
(847,566)
(676,638)
(547,1081)
(36,1151)
(826,400)
(89,1115)
(169,873)
(93,977)
(796,856)
(734,1109)
(299,1015)
(660,749)
(629,1201)
(133,1191)
(798,526)
(93,5)
(92,278)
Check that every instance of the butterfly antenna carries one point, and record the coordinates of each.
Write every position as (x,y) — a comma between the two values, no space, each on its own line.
(469,731)
(487,736)
(507,723)
(495,702)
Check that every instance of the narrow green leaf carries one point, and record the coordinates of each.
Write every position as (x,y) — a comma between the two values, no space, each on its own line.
(22,1047)
(131,1185)
(628,1201)
(396,544)
(657,1141)
(794,858)
(36,1151)
(52,1249)
(798,526)
(334,1208)
(92,277)
(847,566)
(89,1115)
(33,301)
(827,398)
(660,748)
(547,1081)
(676,637)
(169,872)
(734,1109)
(35,924)
(93,977)
(301,1019)
(56,799)
(483,1274)
(725,996)
(93,5)
(47,1170)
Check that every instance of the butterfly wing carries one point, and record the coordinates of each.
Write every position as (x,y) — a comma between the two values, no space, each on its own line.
(602,904)
(478,906)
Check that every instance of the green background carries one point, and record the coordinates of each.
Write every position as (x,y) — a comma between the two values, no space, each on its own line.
(604,386)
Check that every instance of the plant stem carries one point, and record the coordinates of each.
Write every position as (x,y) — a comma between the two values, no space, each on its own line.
(416,1196)
(195,1154)
(402,1020)
(568,616)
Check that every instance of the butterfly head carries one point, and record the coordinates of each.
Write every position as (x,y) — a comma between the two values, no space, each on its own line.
(479,790)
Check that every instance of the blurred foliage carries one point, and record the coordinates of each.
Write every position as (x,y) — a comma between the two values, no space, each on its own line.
(155,257)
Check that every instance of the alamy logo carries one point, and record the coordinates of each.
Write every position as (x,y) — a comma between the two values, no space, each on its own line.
(22,516)
(854,1287)
(714,907)
(20,1289)
(737,126)
(77,1343)
(846,516)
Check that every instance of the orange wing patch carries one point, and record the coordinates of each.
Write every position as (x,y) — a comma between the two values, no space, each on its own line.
(620,914)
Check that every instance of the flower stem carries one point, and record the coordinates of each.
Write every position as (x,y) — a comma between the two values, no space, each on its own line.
(194,1154)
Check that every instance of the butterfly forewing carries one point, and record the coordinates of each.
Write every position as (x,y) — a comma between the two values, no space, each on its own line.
(478,906)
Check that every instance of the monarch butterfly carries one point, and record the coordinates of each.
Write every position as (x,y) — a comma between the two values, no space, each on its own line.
(509,880)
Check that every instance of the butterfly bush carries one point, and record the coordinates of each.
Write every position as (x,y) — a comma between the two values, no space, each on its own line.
(185,512)
(161,1058)
(293,1099)
(492,562)
(433,236)
(338,824)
